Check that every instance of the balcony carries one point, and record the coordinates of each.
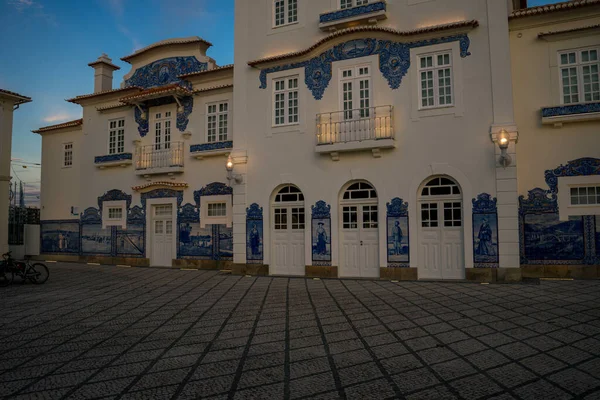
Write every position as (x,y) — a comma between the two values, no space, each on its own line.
(150,160)
(568,113)
(339,19)
(356,130)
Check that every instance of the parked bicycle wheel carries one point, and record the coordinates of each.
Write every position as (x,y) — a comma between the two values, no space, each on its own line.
(41,273)
(6,275)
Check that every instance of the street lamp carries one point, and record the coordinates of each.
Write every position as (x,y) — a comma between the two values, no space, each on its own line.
(503,141)
(230,175)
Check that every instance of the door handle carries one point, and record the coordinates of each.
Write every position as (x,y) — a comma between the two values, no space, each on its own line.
(361,242)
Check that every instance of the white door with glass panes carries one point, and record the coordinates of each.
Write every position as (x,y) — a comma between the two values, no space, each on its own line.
(352,3)
(441,246)
(287,233)
(217,119)
(162,122)
(359,233)
(355,96)
(162,235)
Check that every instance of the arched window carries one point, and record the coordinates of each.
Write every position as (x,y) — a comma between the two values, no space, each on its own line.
(441,187)
(289,194)
(360,191)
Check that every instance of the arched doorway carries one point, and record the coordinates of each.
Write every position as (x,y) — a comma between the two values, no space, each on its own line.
(287,232)
(359,231)
(441,247)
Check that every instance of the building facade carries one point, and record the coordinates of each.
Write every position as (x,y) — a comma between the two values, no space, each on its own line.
(9,102)
(365,139)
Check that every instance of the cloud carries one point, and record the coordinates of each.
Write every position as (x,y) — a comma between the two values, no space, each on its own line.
(60,117)
(127,33)
(34,8)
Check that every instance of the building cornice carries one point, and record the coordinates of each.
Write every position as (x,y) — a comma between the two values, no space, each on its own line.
(148,187)
(153,93)
(79,99)
(368,29)
(69,124)
(207,72)
(568,32)
(211,88)
(167,42)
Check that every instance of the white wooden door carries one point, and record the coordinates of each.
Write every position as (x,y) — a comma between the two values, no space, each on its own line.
(162,235)
(359,255)
(287,241)
(441,249)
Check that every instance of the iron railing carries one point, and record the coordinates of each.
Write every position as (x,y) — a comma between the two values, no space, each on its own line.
(371,123)
(157,156)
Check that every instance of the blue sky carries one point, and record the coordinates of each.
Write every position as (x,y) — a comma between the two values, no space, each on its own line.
(48,44)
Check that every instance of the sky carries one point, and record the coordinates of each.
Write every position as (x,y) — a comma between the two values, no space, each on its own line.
(45,46)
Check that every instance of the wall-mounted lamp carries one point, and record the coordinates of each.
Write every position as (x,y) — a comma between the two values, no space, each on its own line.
(230,176)
(503,141)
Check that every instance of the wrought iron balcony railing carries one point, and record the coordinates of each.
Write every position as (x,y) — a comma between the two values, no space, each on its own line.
(373,123)
(163,156)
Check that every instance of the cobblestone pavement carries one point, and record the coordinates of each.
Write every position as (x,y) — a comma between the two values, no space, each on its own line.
(129,333)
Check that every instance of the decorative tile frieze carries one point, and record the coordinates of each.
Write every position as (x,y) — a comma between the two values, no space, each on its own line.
(353,12)
(114,195)
(394,60)
(113,158)
(162,194)
(165,71)
(196,148)
(579,167)
(573,109)
(212,189)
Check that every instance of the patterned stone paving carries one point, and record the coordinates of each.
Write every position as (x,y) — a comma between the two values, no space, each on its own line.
(127,333)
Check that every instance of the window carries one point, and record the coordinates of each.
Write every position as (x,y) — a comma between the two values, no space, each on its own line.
(360,191)
(579,74)
(352,3)
(280,219)
(116,136)
(68,154)
(285,108)
(115,213)
(298,218)
(429,215)
(217,209)
(587,195)
(285,12)
(453,214)
(350,217)
(435,79)
(217,122)
(355,84)
(370,217)
(440,187)
(162,130)
(289,194)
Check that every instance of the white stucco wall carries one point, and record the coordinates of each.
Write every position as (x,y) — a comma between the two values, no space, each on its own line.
(455,140)
(537,85)
(6,120)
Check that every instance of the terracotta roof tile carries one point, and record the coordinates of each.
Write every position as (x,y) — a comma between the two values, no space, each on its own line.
(69,124)
(167,42)
(208,89)
(581,29)
(20,98)
(112,91)
(216,69)
(175,88)
(347,31)
(550,8)
(160,183)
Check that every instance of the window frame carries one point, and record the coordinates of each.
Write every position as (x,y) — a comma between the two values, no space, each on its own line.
(217,114)
(578,65)
(286,94)
(115,218)
(216,203)
(66,151)
(107,221)
(227,219)
(353,3)
(286,13)
(355,79)
(119,142)
(435,68)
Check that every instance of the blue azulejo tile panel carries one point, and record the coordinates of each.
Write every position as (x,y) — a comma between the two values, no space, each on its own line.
(352,12)
(165,71)
(183,114)
(598,236)
(224,236)
(397,237)
(130,242)
(586,108)
(196,148)
(580,167)
(485,232)
(254,234)
(113,157)
(321,234)
(60,237)
(195,242)
(548,238)
(394,60)
(96,240)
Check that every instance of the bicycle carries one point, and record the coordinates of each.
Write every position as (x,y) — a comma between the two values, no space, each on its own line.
(6,274)
(37,273)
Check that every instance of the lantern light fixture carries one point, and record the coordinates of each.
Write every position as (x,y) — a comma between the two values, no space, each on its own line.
(230,175)
(503,139)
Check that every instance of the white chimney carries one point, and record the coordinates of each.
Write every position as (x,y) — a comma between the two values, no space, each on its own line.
(103,73)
